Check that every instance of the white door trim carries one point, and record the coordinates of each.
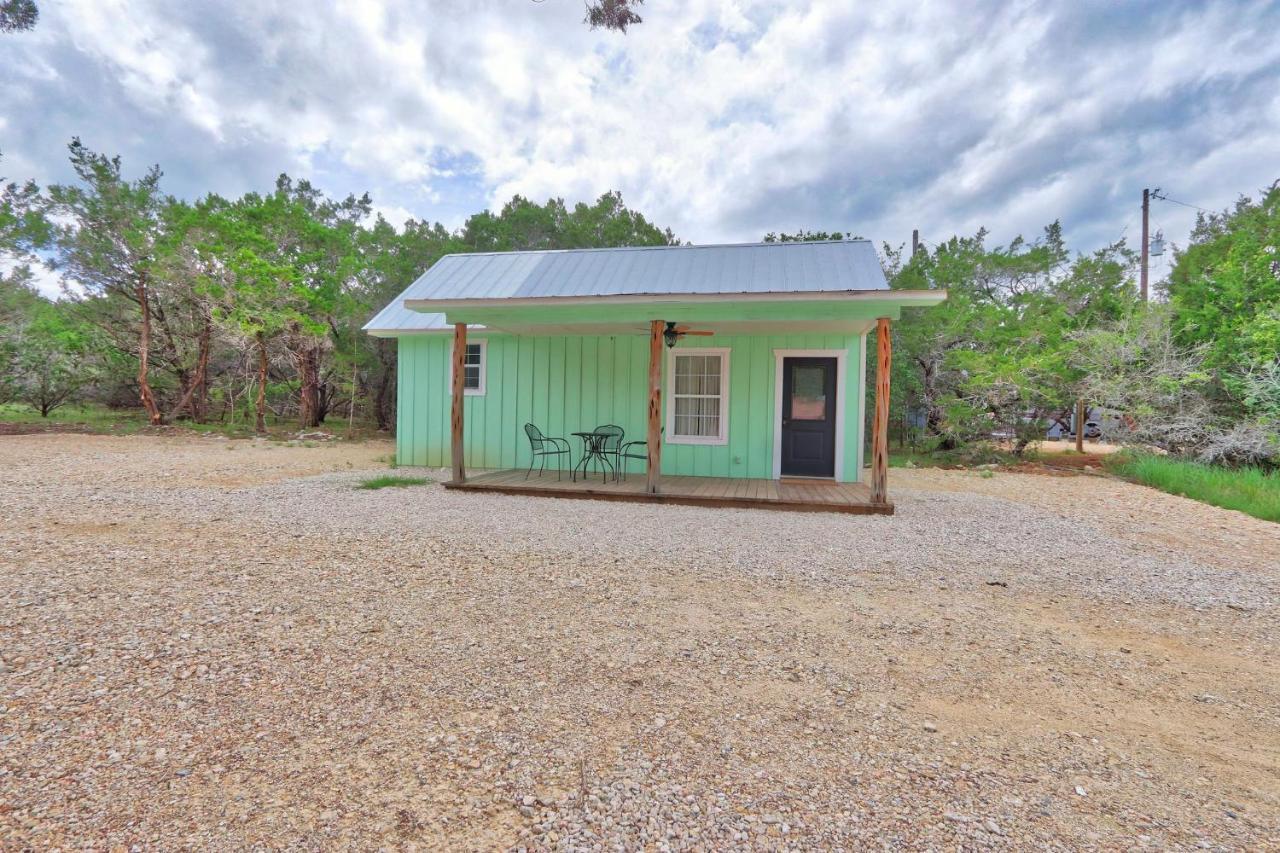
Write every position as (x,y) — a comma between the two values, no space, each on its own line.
(778,355)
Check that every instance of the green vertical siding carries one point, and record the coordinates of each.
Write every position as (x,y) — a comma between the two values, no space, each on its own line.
(570,383)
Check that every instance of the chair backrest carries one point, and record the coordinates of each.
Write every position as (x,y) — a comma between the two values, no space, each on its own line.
(536,438)
(614,440)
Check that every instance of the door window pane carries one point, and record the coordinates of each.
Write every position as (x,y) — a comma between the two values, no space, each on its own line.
(808,393)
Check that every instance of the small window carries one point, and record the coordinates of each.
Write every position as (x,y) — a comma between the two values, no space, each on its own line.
(698,411)
(473,371)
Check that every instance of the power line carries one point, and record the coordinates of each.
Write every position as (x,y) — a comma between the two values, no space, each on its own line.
(1183,203)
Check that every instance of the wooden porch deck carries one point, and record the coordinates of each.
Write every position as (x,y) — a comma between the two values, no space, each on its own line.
(789,495)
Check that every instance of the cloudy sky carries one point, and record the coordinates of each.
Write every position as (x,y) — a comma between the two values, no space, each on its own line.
(723,119)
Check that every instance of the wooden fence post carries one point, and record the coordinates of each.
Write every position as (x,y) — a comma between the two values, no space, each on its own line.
(880,424)
(459,390)
(1080,425)
(654,437)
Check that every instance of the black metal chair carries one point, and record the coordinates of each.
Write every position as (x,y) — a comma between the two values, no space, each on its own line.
(543,446)
(610,444)
(628,450)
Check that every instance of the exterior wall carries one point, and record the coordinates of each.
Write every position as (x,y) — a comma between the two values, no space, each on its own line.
(570,383)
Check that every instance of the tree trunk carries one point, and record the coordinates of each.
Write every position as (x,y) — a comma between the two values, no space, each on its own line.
(144,354)
(308,375)
(200,402)
(260,405)
(193,399)
(933,420)
(383,398)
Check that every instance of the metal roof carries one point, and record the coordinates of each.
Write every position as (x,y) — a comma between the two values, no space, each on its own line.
(828,266)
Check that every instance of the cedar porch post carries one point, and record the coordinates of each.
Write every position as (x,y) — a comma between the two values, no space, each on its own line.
(654,437)
(880,425)
(459,389)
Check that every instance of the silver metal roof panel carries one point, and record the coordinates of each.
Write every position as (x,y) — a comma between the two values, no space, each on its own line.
(843,265)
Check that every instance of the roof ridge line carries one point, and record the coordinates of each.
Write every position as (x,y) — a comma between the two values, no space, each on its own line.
(779,243)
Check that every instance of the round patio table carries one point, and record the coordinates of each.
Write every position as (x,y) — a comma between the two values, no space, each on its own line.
(593,448)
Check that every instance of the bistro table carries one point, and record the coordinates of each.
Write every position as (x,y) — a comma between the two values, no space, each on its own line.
(593,448)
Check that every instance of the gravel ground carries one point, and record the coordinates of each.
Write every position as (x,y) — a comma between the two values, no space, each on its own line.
(211,643)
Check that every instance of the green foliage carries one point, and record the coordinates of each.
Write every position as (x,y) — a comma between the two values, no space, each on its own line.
(1250,490)
(46,351)
(209,289)
(1200,376)
(391,481)
(1225,287)
(612,14)
(997,357)
(524,225)
(803,236)
(18,15)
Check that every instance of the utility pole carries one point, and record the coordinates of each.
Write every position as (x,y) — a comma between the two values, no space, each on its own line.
(1146,240)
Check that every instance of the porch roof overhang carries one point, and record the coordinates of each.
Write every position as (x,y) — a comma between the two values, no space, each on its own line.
(852,311)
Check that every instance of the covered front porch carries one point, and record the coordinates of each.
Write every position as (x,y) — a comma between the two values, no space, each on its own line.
(795,495)
(753,436)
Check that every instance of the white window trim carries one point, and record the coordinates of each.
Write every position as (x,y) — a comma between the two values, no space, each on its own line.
(779,356)
(723,437)
(484,369)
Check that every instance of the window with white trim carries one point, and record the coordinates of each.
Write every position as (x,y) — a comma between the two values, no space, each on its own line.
(473,368)
(698,409)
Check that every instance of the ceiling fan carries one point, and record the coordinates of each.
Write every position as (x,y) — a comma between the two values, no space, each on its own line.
(675,332)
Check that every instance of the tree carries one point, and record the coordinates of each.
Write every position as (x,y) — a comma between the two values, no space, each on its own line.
(523,225)
(109,245)
(996,356)
(1225,287)
(613,14)
(23,225)
(252,288)
(389,261)
(45,351)
(804,236)
(18,15)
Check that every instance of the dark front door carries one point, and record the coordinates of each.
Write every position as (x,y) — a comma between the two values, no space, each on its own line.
(809,417)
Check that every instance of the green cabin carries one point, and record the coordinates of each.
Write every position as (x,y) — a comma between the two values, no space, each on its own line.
(735,362)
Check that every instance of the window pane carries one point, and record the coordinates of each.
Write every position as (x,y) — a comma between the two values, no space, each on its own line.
(471,376)
(808,393)
(473,354)
(697,416)
(697,395)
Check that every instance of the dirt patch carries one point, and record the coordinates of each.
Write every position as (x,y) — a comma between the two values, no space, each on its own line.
(225,643)
(1060,464)
(44,428)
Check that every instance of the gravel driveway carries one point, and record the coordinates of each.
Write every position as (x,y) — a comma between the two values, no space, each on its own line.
(224,644)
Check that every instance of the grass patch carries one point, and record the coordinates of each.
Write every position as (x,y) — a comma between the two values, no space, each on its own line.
(88,418)
(1249,490)
(388,481)
(94,418)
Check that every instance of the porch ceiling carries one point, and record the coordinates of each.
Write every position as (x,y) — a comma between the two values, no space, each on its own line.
(853,311)
(720,327)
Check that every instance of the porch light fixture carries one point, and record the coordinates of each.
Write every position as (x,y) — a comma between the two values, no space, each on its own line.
(671,335)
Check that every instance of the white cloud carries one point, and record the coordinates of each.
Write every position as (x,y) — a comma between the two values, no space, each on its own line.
(720,119)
